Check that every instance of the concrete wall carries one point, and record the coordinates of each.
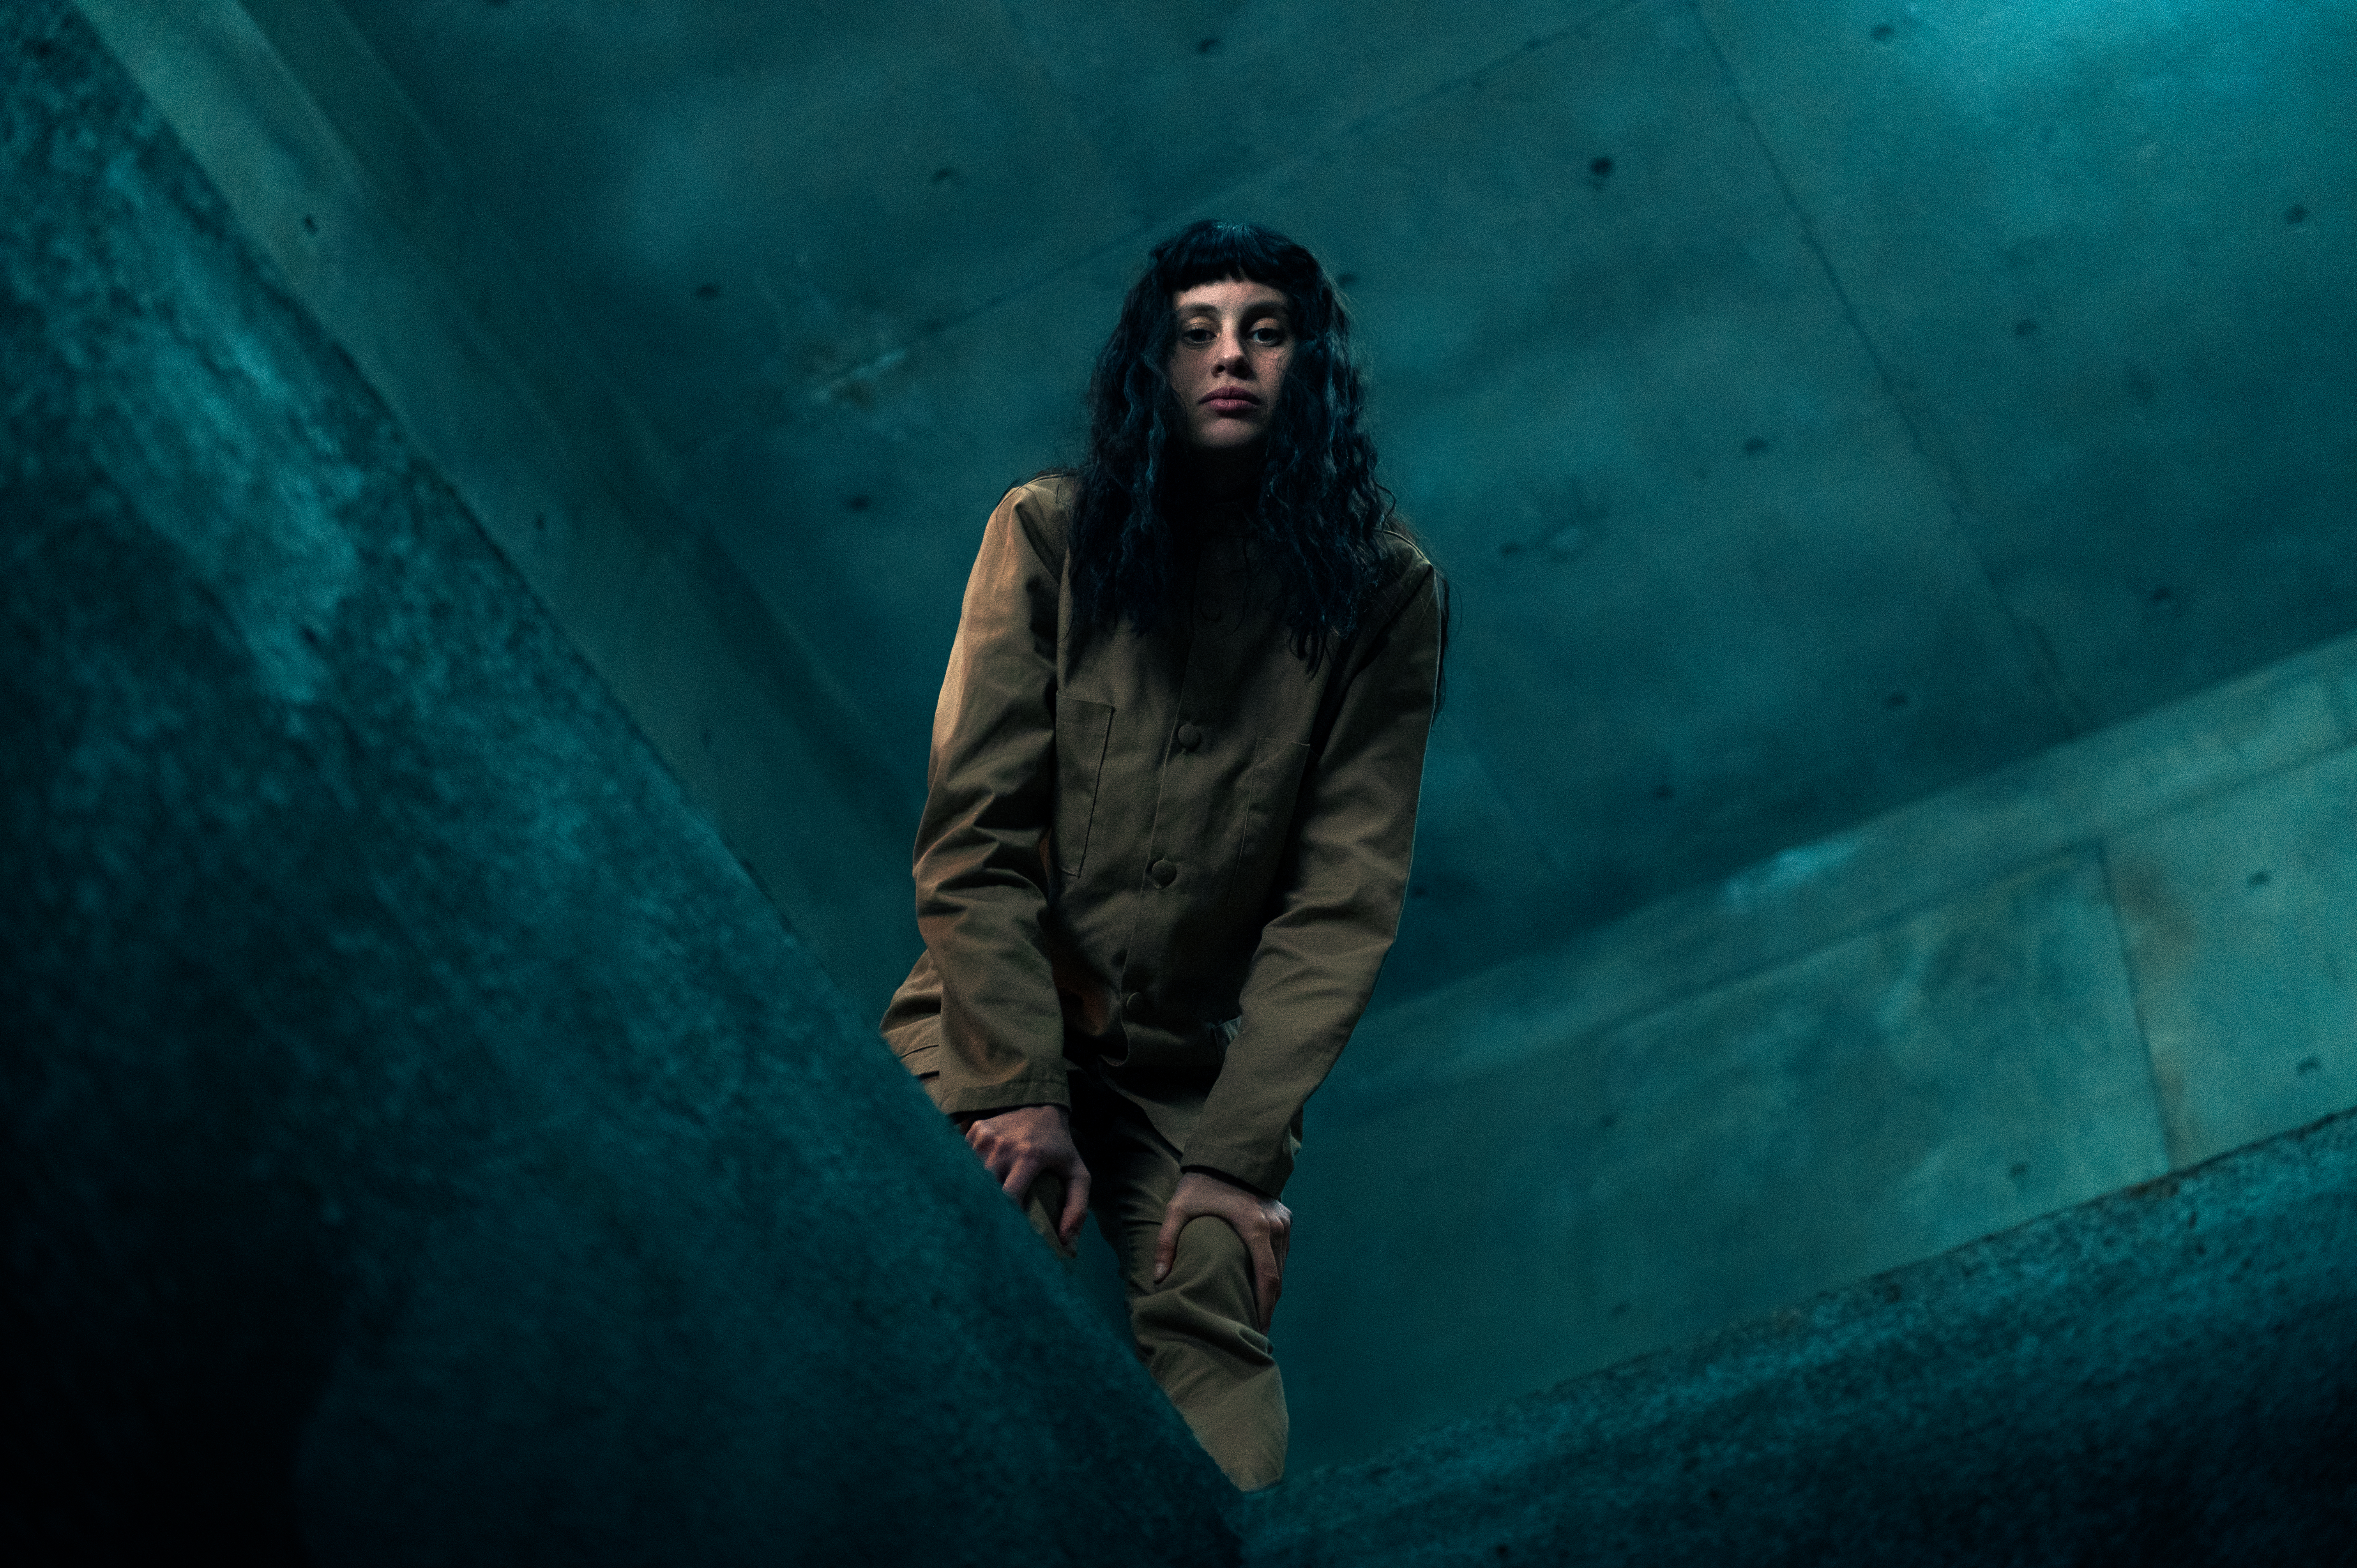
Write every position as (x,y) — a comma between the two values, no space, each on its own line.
(1817,407)
(420,1141)
(2115,960)
(1818,404)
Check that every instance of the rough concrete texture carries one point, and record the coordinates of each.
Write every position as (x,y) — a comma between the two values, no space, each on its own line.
(2159,1377)
(1885,1100)
(1819,405)
(370,224)
(421,1143)
(2124,955)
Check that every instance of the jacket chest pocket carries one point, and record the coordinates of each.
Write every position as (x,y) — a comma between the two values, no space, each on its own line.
(1271,789)
(1083,732)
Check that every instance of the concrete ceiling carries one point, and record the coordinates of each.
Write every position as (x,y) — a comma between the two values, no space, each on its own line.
(1815,404)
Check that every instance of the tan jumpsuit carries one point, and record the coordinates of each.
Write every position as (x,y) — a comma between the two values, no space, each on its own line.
(1155,876)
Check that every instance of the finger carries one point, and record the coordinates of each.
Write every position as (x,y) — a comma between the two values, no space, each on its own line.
(1076,1202)
(1268,1274)
(1022,1169)
(1166,1245)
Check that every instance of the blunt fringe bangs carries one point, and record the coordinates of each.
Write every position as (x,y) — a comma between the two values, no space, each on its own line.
(1319,516)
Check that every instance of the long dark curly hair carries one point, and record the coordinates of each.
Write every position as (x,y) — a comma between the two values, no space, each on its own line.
(1319,516)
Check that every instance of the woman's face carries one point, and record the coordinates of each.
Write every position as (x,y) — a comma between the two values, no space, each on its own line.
(1236,340)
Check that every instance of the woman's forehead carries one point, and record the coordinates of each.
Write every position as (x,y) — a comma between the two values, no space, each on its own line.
(1230,293)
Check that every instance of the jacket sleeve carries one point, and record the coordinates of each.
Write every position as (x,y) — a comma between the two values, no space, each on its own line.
(990,790)
(1354,831)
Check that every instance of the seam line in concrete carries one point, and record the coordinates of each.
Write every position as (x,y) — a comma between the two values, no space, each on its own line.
(1587,19)
(2337,698)
(1444,1077)
(2171,1143)
(756,429)
(647,461)
(1870,922)
(2076,719)
(1523,817)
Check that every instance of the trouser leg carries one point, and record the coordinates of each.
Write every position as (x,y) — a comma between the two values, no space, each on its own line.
(1195,1329)
(1044,1206)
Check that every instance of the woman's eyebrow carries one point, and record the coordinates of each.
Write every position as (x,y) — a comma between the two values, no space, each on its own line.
(1253,312)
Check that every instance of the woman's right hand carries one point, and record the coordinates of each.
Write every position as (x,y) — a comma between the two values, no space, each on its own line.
(1021,1146)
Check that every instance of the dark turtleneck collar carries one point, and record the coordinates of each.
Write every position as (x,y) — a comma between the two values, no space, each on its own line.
(1193,505)
(1199,482)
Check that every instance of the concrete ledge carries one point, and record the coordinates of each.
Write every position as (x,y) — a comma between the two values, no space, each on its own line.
(2159,1376)
(2289,715)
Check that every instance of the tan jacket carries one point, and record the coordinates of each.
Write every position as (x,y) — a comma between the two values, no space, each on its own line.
(1174,860)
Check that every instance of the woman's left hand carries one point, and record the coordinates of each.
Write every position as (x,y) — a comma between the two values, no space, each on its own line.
(1265,1225)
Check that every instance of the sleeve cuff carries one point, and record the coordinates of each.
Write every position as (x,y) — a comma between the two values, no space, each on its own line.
(1030,1089)
(1240,1166)
(1230,1180)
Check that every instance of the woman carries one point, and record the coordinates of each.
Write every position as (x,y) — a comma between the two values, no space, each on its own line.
(1172,797)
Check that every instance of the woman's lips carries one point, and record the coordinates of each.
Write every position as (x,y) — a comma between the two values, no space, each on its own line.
(1231,401)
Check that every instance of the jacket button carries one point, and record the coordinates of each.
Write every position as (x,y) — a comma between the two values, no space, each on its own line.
(1133,1002)
(1164,873)
(1190,737)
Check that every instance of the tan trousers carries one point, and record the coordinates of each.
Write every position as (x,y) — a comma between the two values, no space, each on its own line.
(1194,1331)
